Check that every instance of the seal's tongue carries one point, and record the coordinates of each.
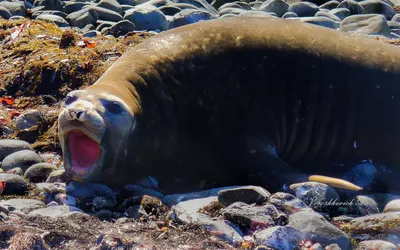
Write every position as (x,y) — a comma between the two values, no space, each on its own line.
(84,151)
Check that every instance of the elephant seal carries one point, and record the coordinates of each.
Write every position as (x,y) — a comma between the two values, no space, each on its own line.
(246,100)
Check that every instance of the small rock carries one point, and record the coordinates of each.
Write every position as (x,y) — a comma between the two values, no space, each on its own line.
(57,176)
(22,159)
(248,216)
(49,4)
(15,184)
(23,205)
(136,212)
(375,223)
(110,5)
(147,17)
(279,7)
(103,214)
(30,118)
(83,17)
(136,190)
(247,194)
(368,24)
(341,13)
(287,203)
(4,13)
(39,172)
(188,16)
(392,206)
(376,244)
(54,211)
(9,146)
(304,9)
(353,6)
(330,5)
(119,29)
(17,171)
(378,7)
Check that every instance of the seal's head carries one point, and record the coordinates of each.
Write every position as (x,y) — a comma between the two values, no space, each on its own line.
(94,129)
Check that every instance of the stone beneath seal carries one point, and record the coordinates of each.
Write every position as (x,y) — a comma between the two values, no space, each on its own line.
(238,101)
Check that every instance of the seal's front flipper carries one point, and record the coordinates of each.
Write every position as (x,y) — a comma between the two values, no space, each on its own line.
(265,168)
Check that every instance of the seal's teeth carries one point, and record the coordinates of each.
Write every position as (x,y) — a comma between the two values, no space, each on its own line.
(334,182)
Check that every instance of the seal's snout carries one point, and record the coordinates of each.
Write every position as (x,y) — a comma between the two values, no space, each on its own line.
(77,114)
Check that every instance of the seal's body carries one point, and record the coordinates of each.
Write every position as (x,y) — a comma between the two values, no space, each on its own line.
(242,100)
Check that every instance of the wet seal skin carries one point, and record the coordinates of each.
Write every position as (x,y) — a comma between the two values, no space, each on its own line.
(244,100)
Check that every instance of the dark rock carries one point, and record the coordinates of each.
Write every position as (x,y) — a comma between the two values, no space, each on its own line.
(378,7)
(247,194)
(5,13)
(9,146)
(304,9)
(15,184)
(248,216)
(136,190)
(188,16)
(83,17)
(110,5)
(61,22)
(49,4)
(103,214)
(363,174)
(15,8)
(39,172)
(28,118)
(354,7)
(105,14)
(279,7)
(119,29)
(22,159)
(136,212)
(329,5)
(287,203)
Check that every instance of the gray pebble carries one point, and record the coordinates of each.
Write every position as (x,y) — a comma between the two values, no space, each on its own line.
(15,184)
(61,22)
(341,13)
(15,8)
(376,244)
(5,13)
(29,118)
(54,211)
(57,176)
(353,6)
(39,172)
(22,159)
(304,9)
(287,203)
(279,7)
(378,7)
(82,17)
(9,146)
(147,17)
(367,24)
(392,206)
(23,205)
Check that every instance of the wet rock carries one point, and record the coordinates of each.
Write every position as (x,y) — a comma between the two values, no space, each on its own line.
(188,16)
(110,5)
(382,199)
(278,237)
(54,211)
(314,194)
(174,199)
(83,17)
(92,33)
(87,189)
(15,184)
(289,14)
(103,214)
(280,219)
(287,203)
(9,146)
(15,8)
(105,14)
(363,174)
(330,5)
(61,22)
(396,18)
(57,176)
(353,6)
(102,202)
(279,7)
(341,13)
(392,206)
(119,29)
(333,247)
(49,4)
(136,212)
(147,17)
(22,159)
(23,205)
(248,216)
(328,15)
(304,9)
(363,205)
(367,24)
(4,13)
(317,229)
(247,194)
(378,7)
(188,212)
(376,244)
(39,172)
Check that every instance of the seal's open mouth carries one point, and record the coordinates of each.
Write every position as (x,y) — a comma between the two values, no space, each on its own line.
(84,152)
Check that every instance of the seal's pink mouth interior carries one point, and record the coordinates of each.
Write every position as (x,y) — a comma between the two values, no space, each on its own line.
(84,150)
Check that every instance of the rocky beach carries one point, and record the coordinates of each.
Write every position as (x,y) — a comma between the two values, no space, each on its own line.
(51,47)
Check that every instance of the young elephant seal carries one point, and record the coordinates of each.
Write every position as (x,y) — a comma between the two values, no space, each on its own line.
(246,100)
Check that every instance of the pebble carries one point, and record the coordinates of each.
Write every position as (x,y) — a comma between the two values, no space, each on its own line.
(375,223)
(136,190)
(247,194)
(57,176)
(22,159)
(15,8)
(392,206)
(147,17)
(188,16)
(23,205)
(15,184)
(29,118)
(39,172)
(279,7)
(136,212)
(5,13)
(371,24)
(9,146)
(83,17)
(378,7)
(304,9)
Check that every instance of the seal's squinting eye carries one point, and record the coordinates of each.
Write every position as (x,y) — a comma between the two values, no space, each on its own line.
(70,99)
(115,108)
